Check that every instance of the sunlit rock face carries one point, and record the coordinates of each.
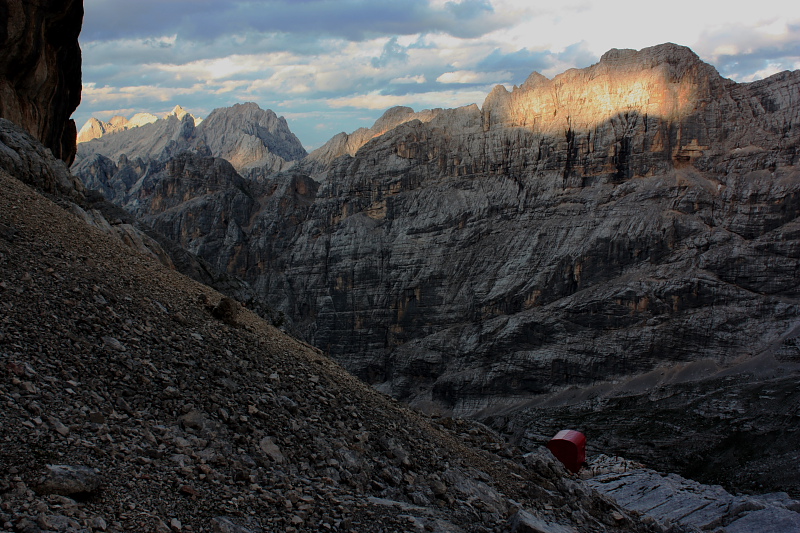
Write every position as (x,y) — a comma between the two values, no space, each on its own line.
(94,128)
(40,70)
(636,213)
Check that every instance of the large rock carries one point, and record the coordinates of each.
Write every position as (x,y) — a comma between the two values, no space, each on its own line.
(67,480)
(40,70)
(673,500)
(24,157)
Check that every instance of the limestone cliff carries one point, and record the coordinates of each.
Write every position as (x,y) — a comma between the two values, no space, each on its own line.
(40,70)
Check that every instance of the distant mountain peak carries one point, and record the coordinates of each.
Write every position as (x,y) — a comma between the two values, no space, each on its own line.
(178,111)
(96,128)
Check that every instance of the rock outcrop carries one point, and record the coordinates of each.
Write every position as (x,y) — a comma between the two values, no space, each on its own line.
(689,506)
(40,70)
(24,156)
(637,214)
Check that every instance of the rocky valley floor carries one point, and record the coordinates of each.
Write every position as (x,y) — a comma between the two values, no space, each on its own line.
(177,414)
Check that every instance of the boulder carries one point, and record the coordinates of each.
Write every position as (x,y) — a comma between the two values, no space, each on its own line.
(66,480)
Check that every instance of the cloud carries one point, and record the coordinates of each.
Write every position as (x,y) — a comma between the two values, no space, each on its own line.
(335,65)
(350,19)
(377,101)
(750,53)
(419,78)
(471,77)
(392,53)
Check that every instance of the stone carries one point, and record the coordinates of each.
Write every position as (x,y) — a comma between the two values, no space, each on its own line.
(227,310)
(525,522)
(58,523)
(113,343)
(672,499)
(268,446)
(58,427)
(221,524)
(66,480)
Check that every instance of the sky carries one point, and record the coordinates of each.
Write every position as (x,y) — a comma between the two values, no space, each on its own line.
(329,66)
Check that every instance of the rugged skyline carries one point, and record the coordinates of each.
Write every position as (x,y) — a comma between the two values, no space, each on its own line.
(336,66)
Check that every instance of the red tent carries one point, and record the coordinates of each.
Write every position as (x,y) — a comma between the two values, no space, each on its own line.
(569,447)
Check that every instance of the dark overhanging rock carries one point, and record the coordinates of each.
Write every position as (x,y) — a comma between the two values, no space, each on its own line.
(40,70)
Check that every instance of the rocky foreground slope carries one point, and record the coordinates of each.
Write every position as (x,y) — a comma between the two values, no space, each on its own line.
(137,399)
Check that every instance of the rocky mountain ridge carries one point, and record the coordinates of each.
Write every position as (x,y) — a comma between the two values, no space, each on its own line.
(318,162)
(95,128)
(635,215)
(244,135)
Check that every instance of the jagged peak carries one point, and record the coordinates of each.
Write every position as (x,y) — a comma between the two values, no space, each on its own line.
(178,112)
(667,52)
(535,80)
(140,119)
(118,121)
(90,124)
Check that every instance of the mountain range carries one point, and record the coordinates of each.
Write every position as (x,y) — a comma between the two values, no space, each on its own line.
(623,234)
(136,398)
(94,128)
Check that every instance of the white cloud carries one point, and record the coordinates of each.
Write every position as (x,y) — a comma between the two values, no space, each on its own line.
(95,96)
(468,76)
(409,79)
(360,55)
(430,99)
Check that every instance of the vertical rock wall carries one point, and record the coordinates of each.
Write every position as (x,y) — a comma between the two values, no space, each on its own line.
(40,69)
